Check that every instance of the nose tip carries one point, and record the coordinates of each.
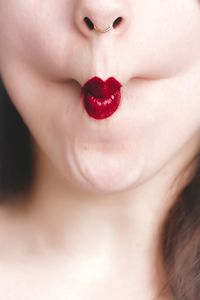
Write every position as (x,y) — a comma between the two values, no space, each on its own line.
(99,18)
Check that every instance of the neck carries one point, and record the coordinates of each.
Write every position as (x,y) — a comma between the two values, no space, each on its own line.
(117,234)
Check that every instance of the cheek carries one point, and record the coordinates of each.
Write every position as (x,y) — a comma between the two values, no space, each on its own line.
(166,36)
(36,33)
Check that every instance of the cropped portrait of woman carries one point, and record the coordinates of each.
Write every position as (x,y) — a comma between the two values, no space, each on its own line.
(99,150)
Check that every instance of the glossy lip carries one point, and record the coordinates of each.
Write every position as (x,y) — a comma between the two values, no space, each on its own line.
(101,98)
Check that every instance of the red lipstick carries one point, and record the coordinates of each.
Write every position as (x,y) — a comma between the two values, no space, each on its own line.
(101,98)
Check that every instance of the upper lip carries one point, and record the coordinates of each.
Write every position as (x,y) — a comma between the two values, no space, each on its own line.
(101,89)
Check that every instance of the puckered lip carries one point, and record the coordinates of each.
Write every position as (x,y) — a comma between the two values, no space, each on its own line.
(101,89)
(101,98)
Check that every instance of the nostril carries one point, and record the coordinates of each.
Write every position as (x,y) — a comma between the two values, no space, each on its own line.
(117,22)
(89,23)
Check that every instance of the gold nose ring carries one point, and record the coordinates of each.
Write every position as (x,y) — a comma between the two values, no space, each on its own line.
(97,29)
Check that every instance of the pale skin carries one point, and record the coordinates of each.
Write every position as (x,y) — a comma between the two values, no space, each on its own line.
(102,189)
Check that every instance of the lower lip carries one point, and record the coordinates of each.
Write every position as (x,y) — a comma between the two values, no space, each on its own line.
(101,108)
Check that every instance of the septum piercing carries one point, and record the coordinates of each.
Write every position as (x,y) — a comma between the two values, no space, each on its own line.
(101,30)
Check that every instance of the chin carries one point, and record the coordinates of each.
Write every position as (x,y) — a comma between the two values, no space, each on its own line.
(107,174)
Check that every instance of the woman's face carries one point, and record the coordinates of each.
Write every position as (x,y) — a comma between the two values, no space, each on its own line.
(47,53)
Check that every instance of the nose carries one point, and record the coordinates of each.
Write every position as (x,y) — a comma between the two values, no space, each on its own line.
(96,17)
